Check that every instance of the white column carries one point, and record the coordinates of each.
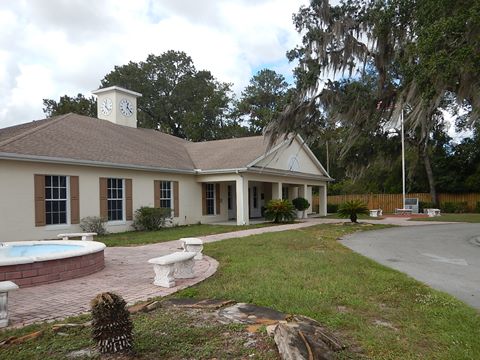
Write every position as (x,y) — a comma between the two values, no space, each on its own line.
(322,192)
(242,200)
(302,191)
(276,191)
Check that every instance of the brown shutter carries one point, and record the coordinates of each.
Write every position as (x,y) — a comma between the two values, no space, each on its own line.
(217,197)
(156,193)
(74,200)
(176,203)
(103,199)
(204,199)
(39,197)
(128,200)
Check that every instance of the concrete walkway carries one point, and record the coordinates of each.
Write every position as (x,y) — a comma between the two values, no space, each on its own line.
(128,273)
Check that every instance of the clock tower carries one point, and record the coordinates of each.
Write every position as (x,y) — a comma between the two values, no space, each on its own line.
(117,105)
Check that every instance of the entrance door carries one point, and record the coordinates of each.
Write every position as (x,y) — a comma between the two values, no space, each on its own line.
(254,201)
(232,202)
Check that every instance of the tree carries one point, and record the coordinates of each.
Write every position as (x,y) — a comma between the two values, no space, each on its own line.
(177,99)
(263,99)
(78,105)
(420,52)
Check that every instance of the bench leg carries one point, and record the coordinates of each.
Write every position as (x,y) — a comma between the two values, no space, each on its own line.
(164,275)
(184,269)
(3,309)
(197,249)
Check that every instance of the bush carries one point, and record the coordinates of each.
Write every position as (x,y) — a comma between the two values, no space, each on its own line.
(454,207)
(425,205)
(332,208)
(93,224)
(280,211)
(150,219)
(301,204)
(351,209)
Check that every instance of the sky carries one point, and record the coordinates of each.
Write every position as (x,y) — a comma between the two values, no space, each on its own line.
(51,48)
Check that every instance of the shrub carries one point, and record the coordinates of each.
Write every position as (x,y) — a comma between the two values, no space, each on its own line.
(425,205)
(332,208)
(301,204)
(280,211)
(93,224)
(351,209)
(111,324)
(454,207)
(150,219)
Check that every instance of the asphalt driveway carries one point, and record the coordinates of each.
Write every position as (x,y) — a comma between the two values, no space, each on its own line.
(446,257)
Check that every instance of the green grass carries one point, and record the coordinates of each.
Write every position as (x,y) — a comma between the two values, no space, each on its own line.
(470,218)
(131,238)
(163,334)
(308,272)
(360,217)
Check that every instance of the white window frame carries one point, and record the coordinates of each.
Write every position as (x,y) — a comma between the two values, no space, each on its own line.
(166,198)
(67,207)
(122,221)
(213,198)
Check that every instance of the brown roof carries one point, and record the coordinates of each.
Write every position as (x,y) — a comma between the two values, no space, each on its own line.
(89,139)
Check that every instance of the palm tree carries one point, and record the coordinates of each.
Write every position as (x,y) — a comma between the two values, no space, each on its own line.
(351,209)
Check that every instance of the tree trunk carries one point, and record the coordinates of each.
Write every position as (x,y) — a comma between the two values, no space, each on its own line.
(429,171)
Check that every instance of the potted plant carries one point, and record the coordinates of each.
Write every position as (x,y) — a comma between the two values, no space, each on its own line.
(301,204)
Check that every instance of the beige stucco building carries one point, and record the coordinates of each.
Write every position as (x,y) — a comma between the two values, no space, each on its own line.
(54,172)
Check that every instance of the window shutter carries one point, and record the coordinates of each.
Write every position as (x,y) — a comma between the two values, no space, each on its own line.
(39,197)
(217,198)
(74,200)
(176,203)
(156,193)
(103,199)
(204,199)
(128,200)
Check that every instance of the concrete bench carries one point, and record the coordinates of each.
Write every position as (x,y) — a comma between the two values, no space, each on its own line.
(403,211)
(84,236)
(5,288)
(376,212)
(193,245)
(432,212)
(176,265)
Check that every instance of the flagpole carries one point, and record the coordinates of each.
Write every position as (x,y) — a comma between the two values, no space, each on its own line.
(403,159)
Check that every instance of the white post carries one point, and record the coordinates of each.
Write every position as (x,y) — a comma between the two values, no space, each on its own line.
(276,191)
(242,201)
(322,206)
(403,160)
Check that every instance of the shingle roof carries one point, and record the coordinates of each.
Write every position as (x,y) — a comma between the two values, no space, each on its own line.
(84,138)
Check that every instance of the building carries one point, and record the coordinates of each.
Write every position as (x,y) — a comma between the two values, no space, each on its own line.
(54,172)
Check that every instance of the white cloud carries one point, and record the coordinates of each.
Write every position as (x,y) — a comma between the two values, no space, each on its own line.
(54,47)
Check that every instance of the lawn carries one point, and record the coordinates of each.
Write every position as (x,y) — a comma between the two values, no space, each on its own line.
(131,238)
(360,217)
(382,312)
(470,218)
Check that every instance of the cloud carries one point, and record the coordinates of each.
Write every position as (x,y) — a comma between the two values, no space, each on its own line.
(49,48)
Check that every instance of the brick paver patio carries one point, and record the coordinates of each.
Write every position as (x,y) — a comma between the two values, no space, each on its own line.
(128,273)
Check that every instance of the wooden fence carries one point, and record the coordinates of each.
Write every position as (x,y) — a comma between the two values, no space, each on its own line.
(390,202)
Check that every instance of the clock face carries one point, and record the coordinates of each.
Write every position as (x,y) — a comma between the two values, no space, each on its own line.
(126,107)
(106,106)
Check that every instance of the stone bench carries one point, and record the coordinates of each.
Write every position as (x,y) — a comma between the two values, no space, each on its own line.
(176,265)
(84,236)
(193,245)
(432,212)
(5,288)
(376,212)
(403,211)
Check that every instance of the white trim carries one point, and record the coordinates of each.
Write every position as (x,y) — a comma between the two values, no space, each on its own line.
(67,224)
(124,215)
(118,88)
(66,161)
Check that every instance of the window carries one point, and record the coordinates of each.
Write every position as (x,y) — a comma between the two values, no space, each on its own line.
(285,193)
(255,197)
(56,202)
(115,199)
(210,199)
(166,194)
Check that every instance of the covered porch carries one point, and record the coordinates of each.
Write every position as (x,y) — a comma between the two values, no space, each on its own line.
(241,198)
